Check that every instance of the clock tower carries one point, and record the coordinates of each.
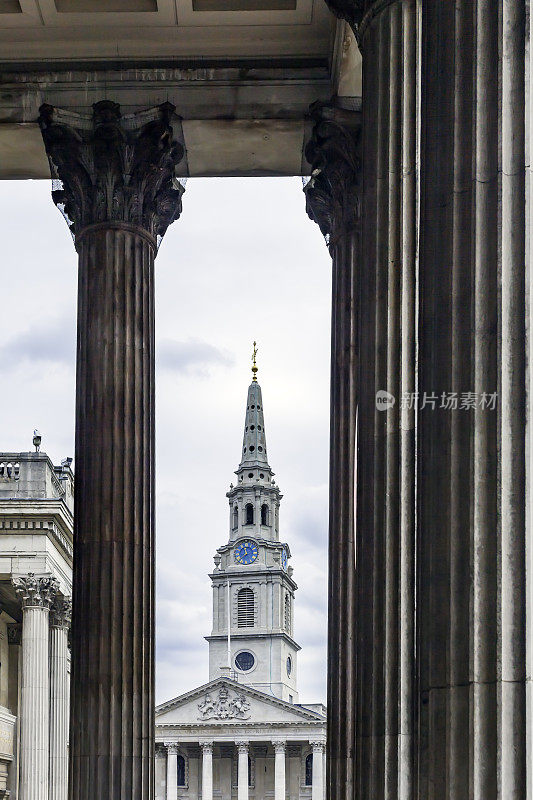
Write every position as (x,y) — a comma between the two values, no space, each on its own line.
(253,588)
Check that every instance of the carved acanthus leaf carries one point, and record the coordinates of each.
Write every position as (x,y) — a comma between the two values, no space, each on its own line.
(61,612)
(36,591)
(332,193)
(114,168)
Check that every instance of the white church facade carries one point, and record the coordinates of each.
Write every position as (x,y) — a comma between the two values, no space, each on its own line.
(244,735)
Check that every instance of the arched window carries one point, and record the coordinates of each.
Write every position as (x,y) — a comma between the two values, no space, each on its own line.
(264,514)
(309,770)
(181,771)
(235,516)
(245,608)
(288,613)
(249,514)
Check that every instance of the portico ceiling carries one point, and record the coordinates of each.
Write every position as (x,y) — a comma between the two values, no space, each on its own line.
(241,74)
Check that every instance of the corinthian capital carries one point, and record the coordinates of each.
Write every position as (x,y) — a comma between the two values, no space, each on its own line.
(114,168)
(333,191)
(350,10)
(61,612)
(36,591)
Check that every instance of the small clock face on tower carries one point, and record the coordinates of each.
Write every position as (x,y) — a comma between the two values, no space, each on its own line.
(246,552)
(284,558)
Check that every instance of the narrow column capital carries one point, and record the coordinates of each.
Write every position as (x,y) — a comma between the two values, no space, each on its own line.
(333,190)
(318,746)
(242,746)
(114,169)
(207,748)
(279,746)
(36,591)
(172,747)
(61,612)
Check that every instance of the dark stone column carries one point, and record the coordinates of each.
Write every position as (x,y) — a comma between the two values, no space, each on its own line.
(117,190)
(441,653)
(332,196)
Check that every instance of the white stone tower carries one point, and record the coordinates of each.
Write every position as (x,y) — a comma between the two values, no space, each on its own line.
(251,570)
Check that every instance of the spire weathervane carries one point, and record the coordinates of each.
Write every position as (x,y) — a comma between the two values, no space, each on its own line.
(254,365)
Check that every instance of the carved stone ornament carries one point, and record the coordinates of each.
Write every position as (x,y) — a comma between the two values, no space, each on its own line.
(35,591)
(14,633)
(225,706)
(350,10)
(114,168)
(279,747)
(333,191)
(61,612)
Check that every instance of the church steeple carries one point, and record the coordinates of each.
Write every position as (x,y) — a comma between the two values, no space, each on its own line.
(255,633)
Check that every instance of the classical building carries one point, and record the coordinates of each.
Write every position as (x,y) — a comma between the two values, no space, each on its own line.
(412,120)
(244,734)
(36,521)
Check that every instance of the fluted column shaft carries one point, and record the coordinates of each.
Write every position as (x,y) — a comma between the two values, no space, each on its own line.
(36,595)
(279,770)
(207,771)
(332,201)
(118,192)
(242,771)
(113,634)
(59,698)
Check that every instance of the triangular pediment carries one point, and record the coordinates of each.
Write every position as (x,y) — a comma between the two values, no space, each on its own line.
(224,701)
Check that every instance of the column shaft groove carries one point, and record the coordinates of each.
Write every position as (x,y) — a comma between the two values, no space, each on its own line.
(112,703)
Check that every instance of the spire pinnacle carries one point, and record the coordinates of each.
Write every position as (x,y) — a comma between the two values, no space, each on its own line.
(254,365)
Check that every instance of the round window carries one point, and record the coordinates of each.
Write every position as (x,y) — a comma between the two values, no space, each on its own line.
(289,665)
(244,661)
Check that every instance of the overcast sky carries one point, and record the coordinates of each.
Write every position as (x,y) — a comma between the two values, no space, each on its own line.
(244,262)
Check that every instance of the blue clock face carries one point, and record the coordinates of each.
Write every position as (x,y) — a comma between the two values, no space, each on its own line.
(246,552)
(284,558)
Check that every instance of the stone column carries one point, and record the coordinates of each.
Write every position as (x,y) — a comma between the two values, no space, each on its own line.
(117,190)
(332,200)
(36,594)
(441,684)
(172,770)
(242,770)
(207,770)
(60,614)
(279,770)
(317,791)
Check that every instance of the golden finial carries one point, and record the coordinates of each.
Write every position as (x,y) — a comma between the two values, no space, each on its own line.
(254,365)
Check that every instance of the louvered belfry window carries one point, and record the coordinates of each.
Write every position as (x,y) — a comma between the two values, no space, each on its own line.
(287,613)
(245,608)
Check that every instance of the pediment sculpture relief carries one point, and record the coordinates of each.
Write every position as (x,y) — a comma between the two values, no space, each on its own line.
(225,706)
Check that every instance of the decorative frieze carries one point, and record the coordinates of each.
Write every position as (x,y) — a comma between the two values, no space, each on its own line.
(36,591)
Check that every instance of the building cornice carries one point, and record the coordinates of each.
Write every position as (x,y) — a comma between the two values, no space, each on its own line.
(255,633)
(29,517)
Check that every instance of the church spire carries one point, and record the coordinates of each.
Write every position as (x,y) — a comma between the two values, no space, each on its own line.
(254,451)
